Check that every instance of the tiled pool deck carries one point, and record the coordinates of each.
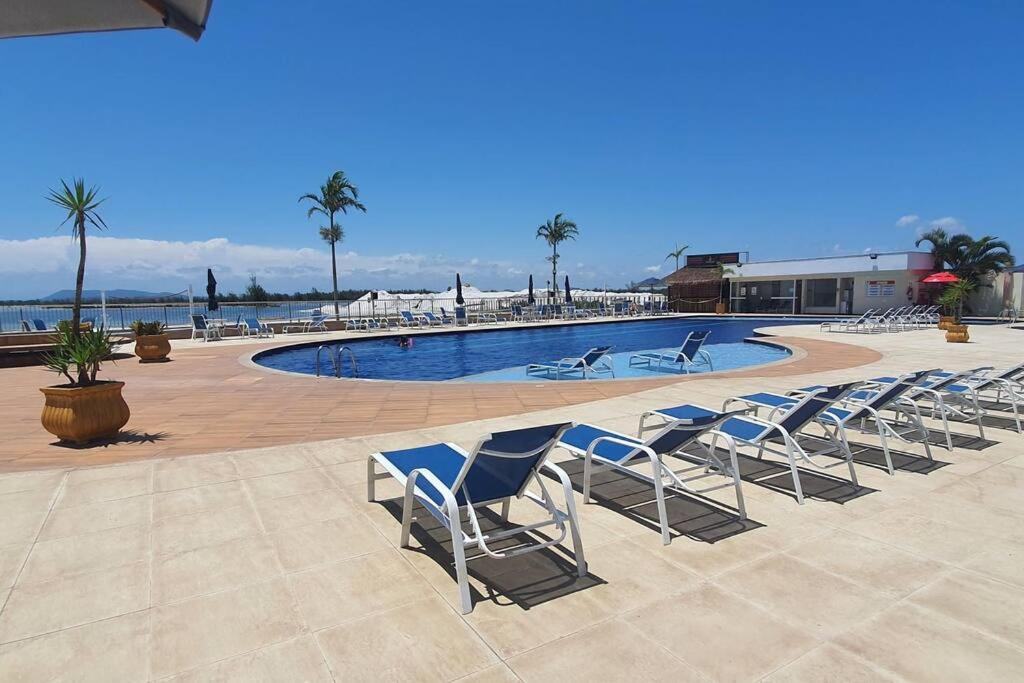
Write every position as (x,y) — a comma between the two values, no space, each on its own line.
(263,561)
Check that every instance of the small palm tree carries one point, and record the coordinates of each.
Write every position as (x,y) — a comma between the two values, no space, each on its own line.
(81,205)
(978,257)
(337,194)
(554,232)
(677,253)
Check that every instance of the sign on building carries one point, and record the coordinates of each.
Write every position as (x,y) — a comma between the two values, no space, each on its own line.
(707,260)
(881,288)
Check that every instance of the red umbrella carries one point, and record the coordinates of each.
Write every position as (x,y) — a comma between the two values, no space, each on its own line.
(941,278)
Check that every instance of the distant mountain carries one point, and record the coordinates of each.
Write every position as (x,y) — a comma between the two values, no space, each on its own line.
(93,295)
(651,282)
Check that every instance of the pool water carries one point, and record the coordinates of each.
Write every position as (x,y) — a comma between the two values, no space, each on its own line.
(501,355)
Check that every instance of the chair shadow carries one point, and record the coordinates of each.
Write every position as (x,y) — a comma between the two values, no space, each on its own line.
(693,516)
(994,421)
(874,456)
(525,581)
(124,436)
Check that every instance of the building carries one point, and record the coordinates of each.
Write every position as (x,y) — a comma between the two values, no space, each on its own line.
(823,285)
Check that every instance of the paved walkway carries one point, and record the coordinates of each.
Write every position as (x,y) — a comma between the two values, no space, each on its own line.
(269,564)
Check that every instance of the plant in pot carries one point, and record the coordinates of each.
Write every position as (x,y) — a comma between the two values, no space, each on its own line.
(952,300)
(83,409)
(152,344)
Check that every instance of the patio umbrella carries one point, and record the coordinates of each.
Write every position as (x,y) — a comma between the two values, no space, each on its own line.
(568,292)
(530,299)
(458,291)
(942,278)
(49,17)
(211,291)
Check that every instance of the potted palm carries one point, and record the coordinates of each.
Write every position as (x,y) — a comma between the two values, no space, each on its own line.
(952,300)
(84,408)
(152,344)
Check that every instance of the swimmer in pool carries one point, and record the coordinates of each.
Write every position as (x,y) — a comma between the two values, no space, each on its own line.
(404,342)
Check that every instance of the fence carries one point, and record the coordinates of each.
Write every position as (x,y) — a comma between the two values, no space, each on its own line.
(116,316)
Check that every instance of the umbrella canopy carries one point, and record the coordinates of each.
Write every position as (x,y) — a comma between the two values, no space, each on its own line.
(943,278)
(458,290)
(568,292)
(211,291)
(47,17)
(530,299)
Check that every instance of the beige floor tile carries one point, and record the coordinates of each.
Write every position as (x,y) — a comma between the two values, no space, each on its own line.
(802,594)
(27,481)
(868,562)
(12,557)
(84,519)
(188,472)
(331,594)
(206,629)
(98,490)
(109,650)
(258,465)
(337,451)
(199,499)
(22,502)
(85,475)
(990,606)
(708,559)
(829,664)
(721,636)
(172,535)
(924,536)
(293,660)
(922,645)
(289,483)
(1002,560)
(332,540)
(38,608)
(634,575)
(498,673)
(292,511)
(213,568)
(20,527)
(421,641)
(348,473)
(66,557)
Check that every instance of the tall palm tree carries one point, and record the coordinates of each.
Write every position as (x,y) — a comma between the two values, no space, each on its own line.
(337,194)
(677,253)
(942,249)
(554,232)
(975,258)
(81,205)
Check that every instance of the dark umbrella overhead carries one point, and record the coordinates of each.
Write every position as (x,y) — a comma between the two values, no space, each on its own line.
(211,291)
(568,292)
(530,299)
(458,291)
(48,17)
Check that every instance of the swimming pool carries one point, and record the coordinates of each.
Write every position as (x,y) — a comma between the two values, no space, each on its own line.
(500,355)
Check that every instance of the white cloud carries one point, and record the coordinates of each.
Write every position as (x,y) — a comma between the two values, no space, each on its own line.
(652,269)
(948,223)
(908,220)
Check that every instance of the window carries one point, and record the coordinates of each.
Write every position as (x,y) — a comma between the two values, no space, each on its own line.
(822,293)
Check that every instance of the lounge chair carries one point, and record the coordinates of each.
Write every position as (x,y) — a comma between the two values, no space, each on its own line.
(255,326)
(317,323)
(849,324)
(595,361)
(603,448)
(407,319)
(201,328)
(36,325)
(460,316)
(689,355)
(785,422)
(431,320)
(1002,388)
(450,483)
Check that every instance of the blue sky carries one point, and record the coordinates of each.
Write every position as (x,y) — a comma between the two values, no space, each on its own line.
(784,129)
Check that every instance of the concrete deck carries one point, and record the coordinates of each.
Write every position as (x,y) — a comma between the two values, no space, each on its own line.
(269,564)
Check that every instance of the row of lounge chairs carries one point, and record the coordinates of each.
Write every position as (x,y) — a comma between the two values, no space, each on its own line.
(37,324)
(893,320)
(805,427)
(597,361)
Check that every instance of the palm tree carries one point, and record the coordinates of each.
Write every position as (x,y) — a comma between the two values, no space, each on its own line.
(975,258)
(554,232)
(942,249)
(677,253)
(81,205)
(337,194)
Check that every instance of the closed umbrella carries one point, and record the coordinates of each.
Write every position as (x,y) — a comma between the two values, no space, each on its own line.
(530,299)
(211,291)
(458,291)
(568,292)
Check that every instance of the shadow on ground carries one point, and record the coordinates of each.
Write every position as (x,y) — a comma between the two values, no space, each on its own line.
(525,580)
(125,436)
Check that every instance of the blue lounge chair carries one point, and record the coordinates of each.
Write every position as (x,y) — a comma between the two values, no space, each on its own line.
(408,319)
(607,449)
(689,355)
(785,422)
(201,328)
(39,325)
(595,361)
(460,316)
(254,326)
(450,483)
(432,319)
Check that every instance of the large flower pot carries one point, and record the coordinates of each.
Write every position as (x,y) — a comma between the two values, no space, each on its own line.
(83,414)
(945,321)
(720,308)
(957,334)
(152,348)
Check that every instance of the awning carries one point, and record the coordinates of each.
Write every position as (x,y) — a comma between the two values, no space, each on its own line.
(47,17)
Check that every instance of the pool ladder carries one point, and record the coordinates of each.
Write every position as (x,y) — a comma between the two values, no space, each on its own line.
(336,359)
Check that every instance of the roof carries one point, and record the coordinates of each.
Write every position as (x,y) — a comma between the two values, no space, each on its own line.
(691,275)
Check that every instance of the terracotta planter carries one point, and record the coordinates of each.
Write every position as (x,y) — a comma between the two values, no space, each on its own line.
(720,308)
(152,348)
(83,414)
(957,334)
(945,321)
